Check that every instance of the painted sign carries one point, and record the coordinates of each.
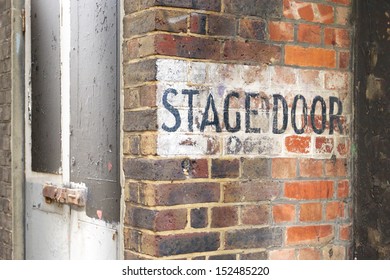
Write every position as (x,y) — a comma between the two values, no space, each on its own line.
(207,108)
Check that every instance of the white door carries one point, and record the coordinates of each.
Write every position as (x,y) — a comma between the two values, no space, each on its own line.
(71,129)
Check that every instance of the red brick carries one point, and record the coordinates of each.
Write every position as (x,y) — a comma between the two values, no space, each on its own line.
(343,15)
(324,145)
(309,33)
(333,252)
(343,189)
(251,52)
(344,60)
(187,46)
(221,25)
(337,37)
(284,168)
(310,212)
(298,144)
(345,232)
(309,254)
(281,31)
(310,168)
(309,234)
(255,214)
(336,168)
(344,2)
(251,191)
(306,190)
(224,216)
(283,213)
(315,57)
(225,168)
(334,210)
(253,29)
(286,254)
(308,11)
(198,23)
(326,13)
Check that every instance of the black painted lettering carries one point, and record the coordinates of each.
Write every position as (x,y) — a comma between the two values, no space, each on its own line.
(323,115)
(294,114)
(171,109)
(249,112)
(205,120)
(229,128)
(234,145)
(275,129)
(335,117)
(190,94)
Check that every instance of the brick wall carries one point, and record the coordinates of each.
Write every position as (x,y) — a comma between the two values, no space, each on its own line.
(5,131)
(237,129)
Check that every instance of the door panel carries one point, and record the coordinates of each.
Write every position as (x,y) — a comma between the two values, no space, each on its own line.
(94,103)
(73,93)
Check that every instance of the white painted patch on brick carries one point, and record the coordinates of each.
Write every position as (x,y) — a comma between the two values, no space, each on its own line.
(241,117)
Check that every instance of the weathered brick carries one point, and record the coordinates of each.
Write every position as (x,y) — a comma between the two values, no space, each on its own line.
(148,144)
(345,232)
(209,5)
(298,144)
(344,60)
(253,29)
(281,31)
(310,212)
(222,168)
(251,52)
(251,191)
(255,214)
(149,169)
(260,8)
(309,254)
(140,72)
(223,257)
(253,238)
(139,23)
(343,15)
(221,25)
(336,168)
(306,190)
(343,189)
(226,216)
(129,255)
(131,144)
(333,252)
(182,244)
(198,23)
(283,213)
(309,234)
(177,194)
(324,145)
(343,2)
(172,219)
(256,168)
(284,168)
(314,57)
(310,168)
(308,11)
(199,218)
(334,210)
(309,33)
(255,256)
(337,37)
(284,254)
(145,120)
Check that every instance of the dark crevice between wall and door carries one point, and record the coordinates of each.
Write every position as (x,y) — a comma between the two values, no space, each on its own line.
(372,130)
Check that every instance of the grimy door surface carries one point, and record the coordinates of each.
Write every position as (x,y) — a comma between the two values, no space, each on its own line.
(372,98)
(72,128)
